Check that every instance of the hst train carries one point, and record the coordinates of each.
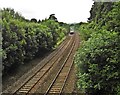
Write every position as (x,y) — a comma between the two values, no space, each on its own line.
(71,32)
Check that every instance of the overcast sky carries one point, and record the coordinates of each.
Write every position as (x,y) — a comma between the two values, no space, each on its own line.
(69,11)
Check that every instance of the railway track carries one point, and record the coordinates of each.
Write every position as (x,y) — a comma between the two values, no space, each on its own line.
(61,77)
(32,83)
(26,77)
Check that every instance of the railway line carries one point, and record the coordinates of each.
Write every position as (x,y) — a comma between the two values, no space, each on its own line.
(65,51)
(60,79)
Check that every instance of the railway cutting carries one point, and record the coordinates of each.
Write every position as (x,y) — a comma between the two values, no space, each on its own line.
(51,74)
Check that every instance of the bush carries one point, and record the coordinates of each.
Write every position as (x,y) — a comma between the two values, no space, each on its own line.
(86,30)
(23,40)
(98,63)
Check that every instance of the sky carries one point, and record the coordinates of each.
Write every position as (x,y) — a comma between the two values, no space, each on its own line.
(68,11)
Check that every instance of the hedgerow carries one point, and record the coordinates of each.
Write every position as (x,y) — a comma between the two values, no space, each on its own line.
(22,39)
(98,63)
(98,58)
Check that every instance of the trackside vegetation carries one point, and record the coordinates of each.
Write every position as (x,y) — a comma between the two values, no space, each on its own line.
(23,39)
(98,58)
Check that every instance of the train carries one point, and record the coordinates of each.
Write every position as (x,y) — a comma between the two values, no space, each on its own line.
(71,32)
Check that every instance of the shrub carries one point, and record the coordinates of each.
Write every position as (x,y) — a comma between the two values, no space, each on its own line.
(23,40)
(98,63)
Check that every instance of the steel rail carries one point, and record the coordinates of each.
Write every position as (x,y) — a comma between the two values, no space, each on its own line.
(60,70)
(35,80)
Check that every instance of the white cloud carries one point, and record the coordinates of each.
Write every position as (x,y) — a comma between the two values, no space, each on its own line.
(65,10)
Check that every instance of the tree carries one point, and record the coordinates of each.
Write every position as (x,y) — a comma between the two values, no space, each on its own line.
(52,17)
(33,20)
(39,21)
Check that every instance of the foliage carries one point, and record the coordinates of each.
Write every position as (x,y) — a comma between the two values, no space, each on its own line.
(33,20)
(98,58)
(106,15)
(23,39)
(52,17)
(85,34)
(98,63)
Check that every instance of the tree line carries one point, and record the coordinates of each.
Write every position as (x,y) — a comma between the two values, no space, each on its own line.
(23,39)
(98,58)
